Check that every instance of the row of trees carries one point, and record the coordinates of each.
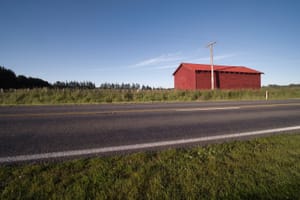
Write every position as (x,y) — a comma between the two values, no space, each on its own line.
(125,86)
(9,80)
(74,85)
(290,85)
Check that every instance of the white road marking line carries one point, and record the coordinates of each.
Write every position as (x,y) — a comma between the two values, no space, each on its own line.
(207,109)
(61,154)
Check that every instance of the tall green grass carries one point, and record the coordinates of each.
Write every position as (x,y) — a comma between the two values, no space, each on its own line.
(265,168)
(77,96)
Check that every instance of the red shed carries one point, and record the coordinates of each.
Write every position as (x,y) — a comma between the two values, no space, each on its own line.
(190,76)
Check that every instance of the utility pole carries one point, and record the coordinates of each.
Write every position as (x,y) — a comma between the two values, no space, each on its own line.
(211,46)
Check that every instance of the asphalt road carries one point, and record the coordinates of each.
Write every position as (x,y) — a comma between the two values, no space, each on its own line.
(36,130)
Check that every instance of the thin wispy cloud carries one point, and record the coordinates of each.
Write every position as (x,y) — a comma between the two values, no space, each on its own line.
(207,59)
(168,67)
(172,60)
(159,60)
(225,56)
(164,67)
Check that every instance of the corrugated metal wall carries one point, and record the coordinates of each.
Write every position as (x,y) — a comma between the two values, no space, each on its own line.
(184,79)
(188,80)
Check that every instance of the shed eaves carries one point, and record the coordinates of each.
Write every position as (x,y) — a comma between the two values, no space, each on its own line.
(220,68)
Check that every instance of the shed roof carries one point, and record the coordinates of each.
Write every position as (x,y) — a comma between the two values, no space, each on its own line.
(220,68)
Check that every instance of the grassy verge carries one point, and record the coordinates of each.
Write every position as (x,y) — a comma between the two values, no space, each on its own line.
(77,96)
(265,168)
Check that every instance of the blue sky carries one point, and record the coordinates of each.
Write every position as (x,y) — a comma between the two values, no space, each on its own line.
(144,41)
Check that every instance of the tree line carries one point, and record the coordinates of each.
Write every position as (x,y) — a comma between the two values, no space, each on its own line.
(125,86)
(74,85)
(9,80)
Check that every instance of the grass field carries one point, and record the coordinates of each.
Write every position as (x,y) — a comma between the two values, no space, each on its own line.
(264,168)
(80,96)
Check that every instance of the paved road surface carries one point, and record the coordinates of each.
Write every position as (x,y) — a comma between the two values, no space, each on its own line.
(36,130)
